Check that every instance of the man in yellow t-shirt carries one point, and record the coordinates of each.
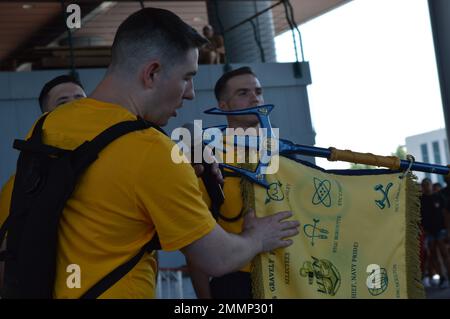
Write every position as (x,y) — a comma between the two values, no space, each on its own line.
(59,90)
(235,90)
(134,188)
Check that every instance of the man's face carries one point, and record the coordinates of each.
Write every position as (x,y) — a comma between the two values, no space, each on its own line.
(241,92)
(63,93)
(174,86)
(208,32)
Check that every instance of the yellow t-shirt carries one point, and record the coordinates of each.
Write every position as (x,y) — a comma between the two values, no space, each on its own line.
(5,197)
(131,189)
(231,208)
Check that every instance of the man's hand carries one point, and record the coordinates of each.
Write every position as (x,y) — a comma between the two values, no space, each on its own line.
(214,167)
(270,232)
(200,168)
(219,252)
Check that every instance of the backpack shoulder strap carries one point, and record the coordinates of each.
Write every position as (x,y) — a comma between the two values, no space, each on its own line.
(36,135)
(109,280)
(88,152)
(213,189)
(3,230)
(34,143)
(83,156)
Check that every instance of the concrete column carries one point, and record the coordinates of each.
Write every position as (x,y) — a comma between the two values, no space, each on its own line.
(440,23)
(240,44)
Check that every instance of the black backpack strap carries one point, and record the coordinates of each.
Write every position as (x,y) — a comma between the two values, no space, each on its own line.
(232,219)
(216,195)
(87,152)
(36,135)
(30,146)
(213,189)
(3,230)
(109,280)
(226,174)
(34,143)
(83,156)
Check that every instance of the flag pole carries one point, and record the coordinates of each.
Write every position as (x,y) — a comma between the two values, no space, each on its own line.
(286,147)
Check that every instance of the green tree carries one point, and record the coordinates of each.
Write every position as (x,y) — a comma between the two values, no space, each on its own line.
(400,152)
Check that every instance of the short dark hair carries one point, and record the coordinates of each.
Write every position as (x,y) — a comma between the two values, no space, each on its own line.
(54,82)
(222,82)
(151,30)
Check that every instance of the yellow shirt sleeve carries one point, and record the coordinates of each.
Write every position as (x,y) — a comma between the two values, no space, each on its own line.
(204,192)
(5,199)
(169,193)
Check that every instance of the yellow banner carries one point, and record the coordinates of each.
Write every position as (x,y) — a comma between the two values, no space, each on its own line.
(358,235)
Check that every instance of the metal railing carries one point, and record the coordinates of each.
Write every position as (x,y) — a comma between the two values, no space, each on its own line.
(283,18)
(173,283)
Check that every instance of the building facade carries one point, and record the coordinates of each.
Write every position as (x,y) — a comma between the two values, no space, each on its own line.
(430,147)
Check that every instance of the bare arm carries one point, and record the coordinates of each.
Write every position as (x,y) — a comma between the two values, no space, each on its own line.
(200,282)
(219,252)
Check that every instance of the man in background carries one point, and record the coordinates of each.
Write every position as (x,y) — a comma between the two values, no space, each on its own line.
(235,90)
(214,51)
(58,91)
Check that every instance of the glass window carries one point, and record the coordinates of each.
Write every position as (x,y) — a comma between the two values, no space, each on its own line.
(425,157)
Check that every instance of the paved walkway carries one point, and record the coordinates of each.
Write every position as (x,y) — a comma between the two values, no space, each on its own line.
(437,293)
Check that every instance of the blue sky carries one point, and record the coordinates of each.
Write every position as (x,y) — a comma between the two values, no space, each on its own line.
(374,76)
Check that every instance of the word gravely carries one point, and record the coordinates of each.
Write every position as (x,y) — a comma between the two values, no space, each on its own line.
(191,309)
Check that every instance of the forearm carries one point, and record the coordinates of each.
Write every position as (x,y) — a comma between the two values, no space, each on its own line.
(239,252)
(219,252)
(200,282)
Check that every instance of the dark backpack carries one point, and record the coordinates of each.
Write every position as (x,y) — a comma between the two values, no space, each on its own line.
(46,177)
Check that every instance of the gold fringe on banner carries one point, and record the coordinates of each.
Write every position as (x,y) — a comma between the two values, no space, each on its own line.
(413,220)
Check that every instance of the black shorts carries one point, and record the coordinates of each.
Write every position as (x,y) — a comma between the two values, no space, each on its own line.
(236,285)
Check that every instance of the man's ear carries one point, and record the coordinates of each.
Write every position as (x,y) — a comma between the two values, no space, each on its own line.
(150,72)
(223,106)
